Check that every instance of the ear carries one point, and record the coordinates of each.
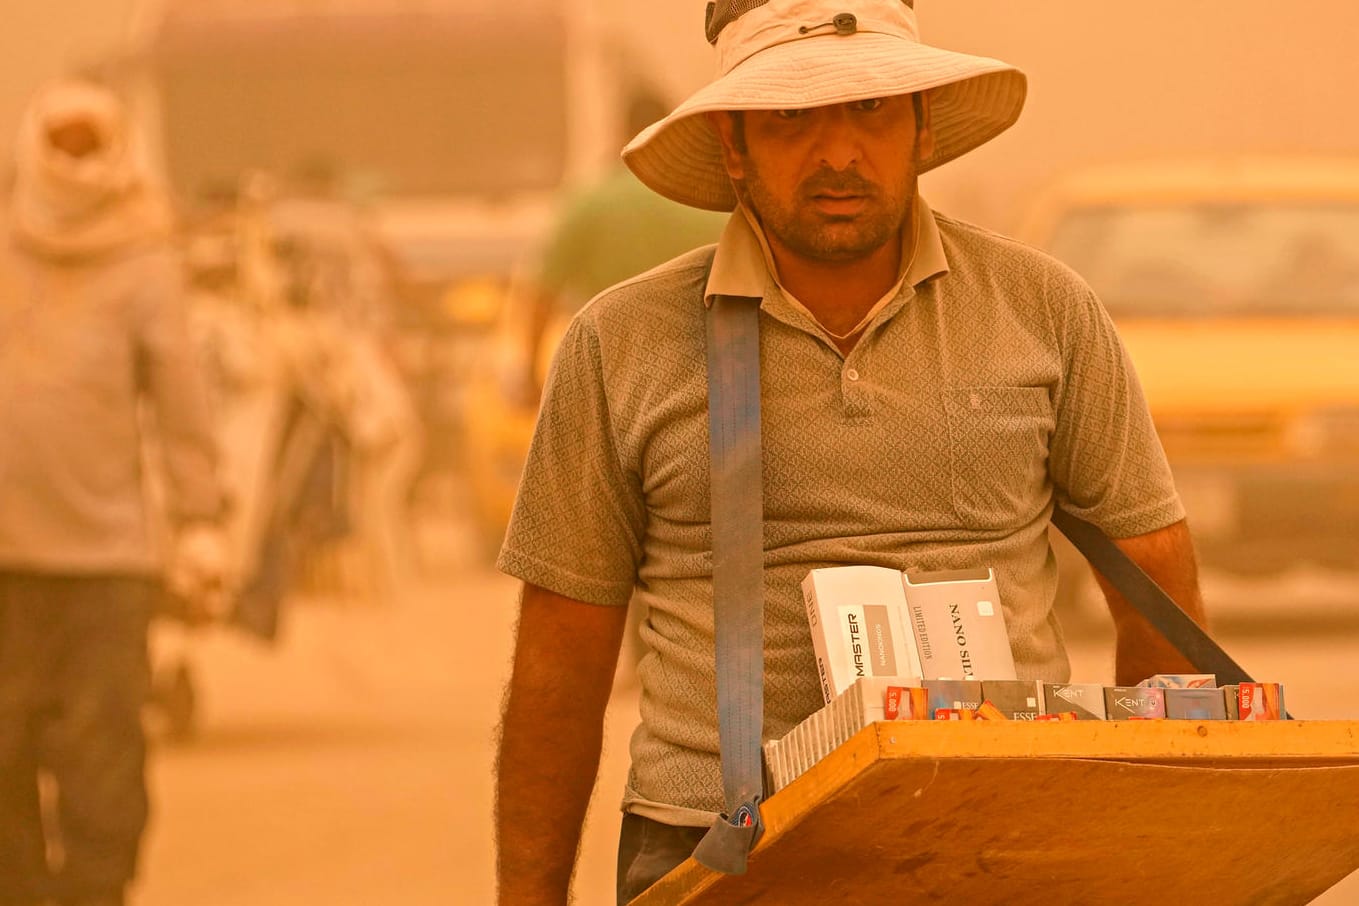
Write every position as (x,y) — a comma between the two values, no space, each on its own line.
(721,123)
(924,128)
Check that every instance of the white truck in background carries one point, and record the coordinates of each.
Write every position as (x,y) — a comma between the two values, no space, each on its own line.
(455,124)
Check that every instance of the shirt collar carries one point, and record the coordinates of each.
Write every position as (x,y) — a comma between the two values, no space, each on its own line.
(744,267)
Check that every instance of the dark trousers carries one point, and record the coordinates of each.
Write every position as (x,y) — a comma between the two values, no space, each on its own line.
(74,673)
(647,850)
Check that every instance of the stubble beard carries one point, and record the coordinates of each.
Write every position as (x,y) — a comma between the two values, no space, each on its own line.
(817,236)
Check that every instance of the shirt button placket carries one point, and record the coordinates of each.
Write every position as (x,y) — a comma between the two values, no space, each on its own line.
(856,402)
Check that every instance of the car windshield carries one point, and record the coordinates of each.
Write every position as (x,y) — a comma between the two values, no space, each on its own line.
(392,106)
(1216,259)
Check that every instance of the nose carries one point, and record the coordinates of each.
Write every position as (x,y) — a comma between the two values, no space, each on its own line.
(837,141)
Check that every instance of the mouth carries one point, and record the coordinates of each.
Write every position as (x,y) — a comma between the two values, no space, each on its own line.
(841,203)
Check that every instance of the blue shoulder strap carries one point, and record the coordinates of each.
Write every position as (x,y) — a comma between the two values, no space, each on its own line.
(733,352)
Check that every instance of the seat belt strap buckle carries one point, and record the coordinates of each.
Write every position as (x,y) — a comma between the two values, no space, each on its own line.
(727,844)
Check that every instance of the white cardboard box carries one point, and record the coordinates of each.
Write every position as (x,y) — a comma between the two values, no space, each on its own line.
(959,625)
(857,616)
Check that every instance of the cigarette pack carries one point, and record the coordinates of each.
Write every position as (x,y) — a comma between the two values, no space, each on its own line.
(1260,701)
(857,620)
(906,703)
(1134,703)
(955,714)
(1195,704)
(1181,681)
(959,625)
(955,695)
(1230,698)
(1017,699)
(1085,699)
(989,711)
(822,731)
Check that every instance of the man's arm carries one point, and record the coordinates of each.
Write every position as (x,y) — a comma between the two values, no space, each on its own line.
(551,734)
(1167,555)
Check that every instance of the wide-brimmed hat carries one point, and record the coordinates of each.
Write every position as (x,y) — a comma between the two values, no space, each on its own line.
(792,54)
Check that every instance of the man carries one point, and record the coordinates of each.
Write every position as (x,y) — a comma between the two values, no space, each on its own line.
(91,329)
(929,392)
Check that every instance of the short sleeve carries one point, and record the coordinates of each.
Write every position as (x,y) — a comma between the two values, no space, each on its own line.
(1107,463)
(579,516)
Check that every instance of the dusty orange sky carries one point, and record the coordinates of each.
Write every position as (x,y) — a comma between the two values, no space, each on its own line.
(1106,80)
(42,37)
(1113,80)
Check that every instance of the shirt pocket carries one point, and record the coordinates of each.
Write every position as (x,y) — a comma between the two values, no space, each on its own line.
(998,453)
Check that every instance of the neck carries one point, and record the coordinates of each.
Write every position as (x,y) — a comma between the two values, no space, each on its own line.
(840,293)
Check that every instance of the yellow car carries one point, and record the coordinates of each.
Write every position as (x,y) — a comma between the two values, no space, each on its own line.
(1235,286)
(501,411)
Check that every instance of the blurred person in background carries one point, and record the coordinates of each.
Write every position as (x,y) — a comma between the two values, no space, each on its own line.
(610,231)
(929,392)
(93,349)
(292,307)
(351,440)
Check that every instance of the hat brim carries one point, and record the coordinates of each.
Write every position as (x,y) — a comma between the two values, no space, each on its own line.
(972,100)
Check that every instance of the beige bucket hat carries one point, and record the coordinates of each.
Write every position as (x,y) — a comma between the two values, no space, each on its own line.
(789,54)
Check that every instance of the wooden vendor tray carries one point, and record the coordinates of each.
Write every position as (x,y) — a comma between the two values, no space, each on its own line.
(1089,812)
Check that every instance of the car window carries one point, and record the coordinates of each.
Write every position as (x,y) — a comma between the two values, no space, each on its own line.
(1211,260)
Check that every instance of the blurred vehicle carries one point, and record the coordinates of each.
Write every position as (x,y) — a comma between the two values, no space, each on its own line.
(1235,286)
(502,409)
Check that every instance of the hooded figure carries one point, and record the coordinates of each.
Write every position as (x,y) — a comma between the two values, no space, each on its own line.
(81,184)
(92,342)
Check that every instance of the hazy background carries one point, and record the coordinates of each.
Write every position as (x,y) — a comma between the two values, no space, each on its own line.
(352,763)
(1107,81)
(41,39)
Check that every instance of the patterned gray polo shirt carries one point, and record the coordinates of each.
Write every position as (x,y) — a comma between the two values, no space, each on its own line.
(990,384)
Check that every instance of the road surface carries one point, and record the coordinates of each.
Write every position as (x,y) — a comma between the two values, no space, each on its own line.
(352,764)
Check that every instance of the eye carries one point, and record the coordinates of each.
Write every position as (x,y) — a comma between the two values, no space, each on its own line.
(789,114)
(867,104)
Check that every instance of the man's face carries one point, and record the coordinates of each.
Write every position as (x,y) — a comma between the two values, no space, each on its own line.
(828,183)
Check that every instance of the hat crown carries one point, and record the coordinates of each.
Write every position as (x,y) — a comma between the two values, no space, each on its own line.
(719,14)
(742,28)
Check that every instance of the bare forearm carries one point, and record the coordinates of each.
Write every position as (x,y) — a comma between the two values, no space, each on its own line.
(1141,651)
(551,736)
(549,756)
